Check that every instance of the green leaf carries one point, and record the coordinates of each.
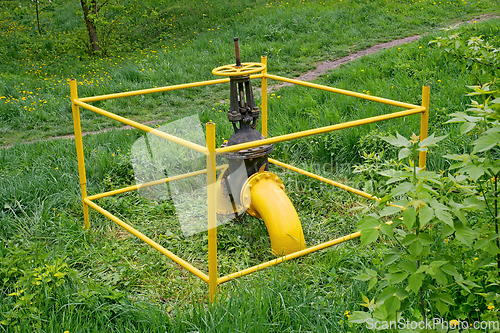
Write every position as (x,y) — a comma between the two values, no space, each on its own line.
(437,205)
(422,269)
(474,171)
(459,279)
(425,239)
(470,283)
(392,304)
(387,292)
(431,141)
(444,216)
(362,277)
(405,152)
(466,127)
(408,239)
(367,222)
(415,282)
(372,283)
(438,263)
(359,317)
(390,258)
(369,236)
(447,231)
(398,277)
(425,214)
(480,243)
(386,229)
(440,276)
(446,298)
(371,272)
(486,142)
(493,130)
(399,141)
(402,188)
(442,308)
(389,210)
(408,266)
(464,234)
(458,213)
(450,270)
(415,249)
(409,217)
(456,157)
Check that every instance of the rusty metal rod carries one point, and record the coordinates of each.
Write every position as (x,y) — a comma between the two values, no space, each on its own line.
(237,51)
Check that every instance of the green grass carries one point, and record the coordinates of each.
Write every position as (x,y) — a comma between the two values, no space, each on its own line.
(113,281)
(36,70)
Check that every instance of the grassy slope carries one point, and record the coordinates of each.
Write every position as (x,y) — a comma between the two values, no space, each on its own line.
(182,44)
(41,214)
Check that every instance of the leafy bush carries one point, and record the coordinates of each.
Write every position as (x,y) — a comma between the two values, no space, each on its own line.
(441,229)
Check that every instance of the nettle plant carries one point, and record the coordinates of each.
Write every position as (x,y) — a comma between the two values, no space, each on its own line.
(419,269)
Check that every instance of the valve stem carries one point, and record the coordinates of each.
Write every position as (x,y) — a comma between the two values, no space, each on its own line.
(237,51)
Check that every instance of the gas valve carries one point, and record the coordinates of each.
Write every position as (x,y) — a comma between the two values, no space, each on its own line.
(244,115)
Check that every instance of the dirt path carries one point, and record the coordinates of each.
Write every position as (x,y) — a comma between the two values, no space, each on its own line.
(321,68)
(325,66)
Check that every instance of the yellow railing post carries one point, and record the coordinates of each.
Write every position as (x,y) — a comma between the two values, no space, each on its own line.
(212,213)
(263,90)
(424,124)
(79,150)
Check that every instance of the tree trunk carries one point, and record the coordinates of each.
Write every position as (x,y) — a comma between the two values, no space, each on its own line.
(90,14)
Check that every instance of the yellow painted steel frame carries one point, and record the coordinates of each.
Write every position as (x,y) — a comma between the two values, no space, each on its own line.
(211,152)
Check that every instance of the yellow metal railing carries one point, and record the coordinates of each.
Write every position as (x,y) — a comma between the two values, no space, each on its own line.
(211,152)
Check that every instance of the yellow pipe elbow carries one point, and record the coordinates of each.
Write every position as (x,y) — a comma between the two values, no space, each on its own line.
(269,202)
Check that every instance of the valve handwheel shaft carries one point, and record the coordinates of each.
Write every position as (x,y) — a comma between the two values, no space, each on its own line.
(237,52)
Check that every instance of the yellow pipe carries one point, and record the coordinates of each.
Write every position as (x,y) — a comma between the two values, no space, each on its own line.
(319,130)
(152,183)
(269,202)
(343,92)
(160,89)
(79,149)
(212,213)
(148,241)
(263,94)
(424,124)
(142,127)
